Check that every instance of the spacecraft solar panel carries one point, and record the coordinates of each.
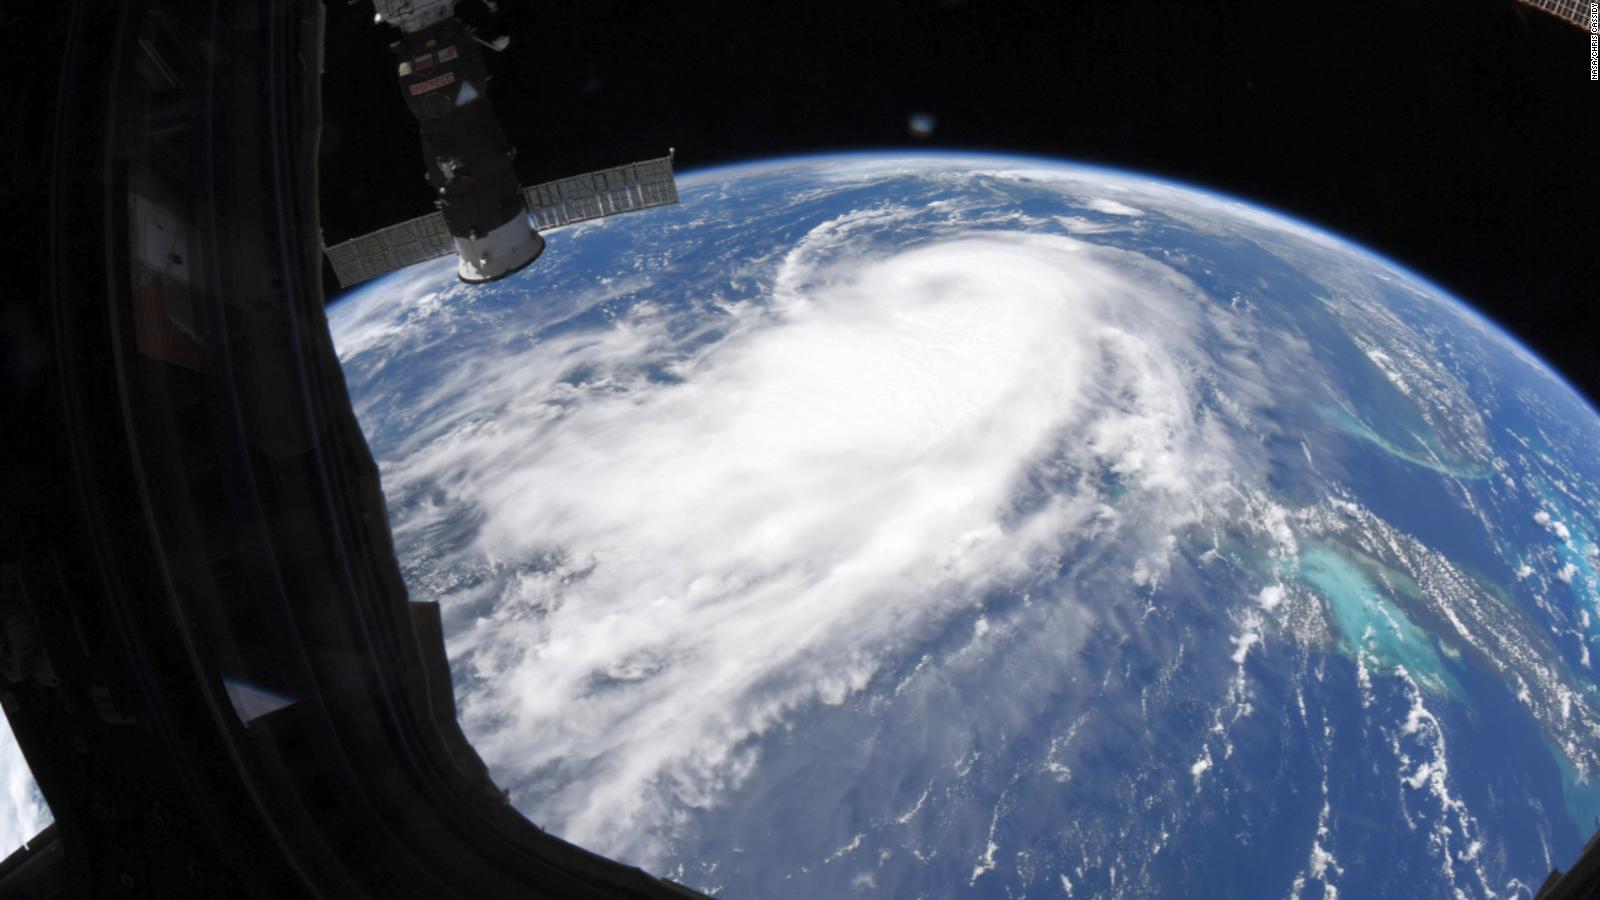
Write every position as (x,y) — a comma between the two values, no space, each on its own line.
(391,248)
(1573,11)
(637,185)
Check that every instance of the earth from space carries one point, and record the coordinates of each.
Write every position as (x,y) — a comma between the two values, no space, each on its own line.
(978,526)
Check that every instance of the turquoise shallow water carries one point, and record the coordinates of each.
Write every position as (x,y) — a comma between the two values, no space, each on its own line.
(1370,623)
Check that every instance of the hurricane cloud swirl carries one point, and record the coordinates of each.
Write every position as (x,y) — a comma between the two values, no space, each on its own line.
(903,453)
(689,554)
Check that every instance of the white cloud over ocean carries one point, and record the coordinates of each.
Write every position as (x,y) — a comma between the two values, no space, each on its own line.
(684,560)
(23,813)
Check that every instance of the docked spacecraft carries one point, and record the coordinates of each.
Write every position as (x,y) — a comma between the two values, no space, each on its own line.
(485,217)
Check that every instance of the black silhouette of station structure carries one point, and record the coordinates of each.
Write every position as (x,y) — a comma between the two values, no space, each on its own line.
(207,654)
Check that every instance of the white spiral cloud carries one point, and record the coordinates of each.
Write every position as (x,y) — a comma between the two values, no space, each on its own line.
(688,558)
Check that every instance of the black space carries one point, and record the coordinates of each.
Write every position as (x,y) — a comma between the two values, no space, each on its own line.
(1453,136)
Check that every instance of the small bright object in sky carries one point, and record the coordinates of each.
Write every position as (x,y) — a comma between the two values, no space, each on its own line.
(921,125)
